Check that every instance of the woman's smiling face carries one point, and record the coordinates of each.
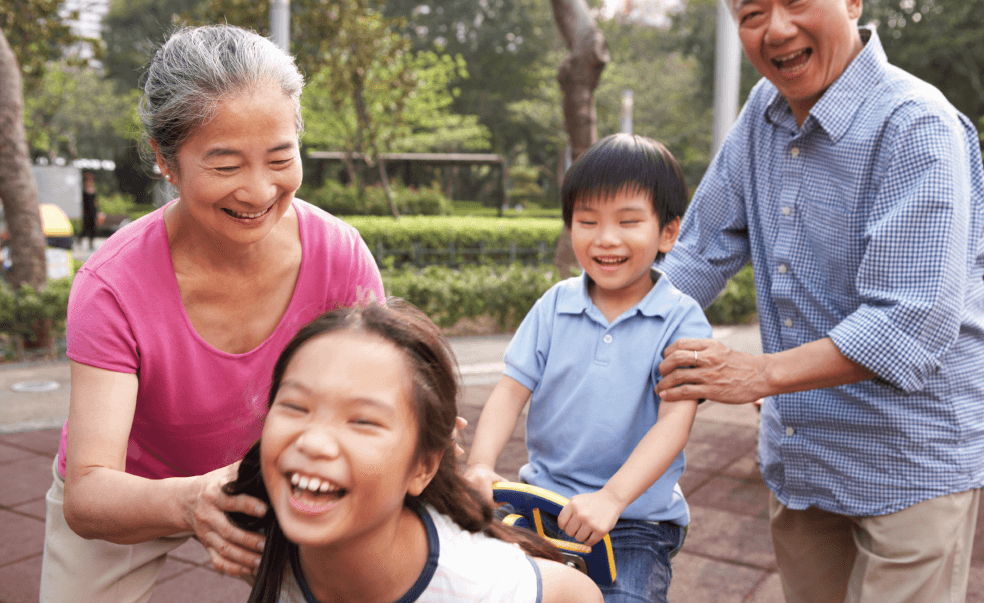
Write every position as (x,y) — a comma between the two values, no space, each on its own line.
(338,450)
(237,174)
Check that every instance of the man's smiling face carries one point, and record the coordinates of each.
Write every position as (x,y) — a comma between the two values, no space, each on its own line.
(801,46)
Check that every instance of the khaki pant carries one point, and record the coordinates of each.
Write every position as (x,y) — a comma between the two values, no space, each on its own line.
(917,555)
(95,571)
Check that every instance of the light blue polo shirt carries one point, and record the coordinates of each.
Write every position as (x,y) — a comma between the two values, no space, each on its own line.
(593,389)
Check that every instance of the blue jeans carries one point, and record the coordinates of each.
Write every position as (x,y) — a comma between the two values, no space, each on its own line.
(642,558)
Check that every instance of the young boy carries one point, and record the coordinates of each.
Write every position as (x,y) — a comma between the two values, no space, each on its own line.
(588,352)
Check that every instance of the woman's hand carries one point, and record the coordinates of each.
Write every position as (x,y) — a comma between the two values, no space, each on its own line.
(233,550)
(695,369)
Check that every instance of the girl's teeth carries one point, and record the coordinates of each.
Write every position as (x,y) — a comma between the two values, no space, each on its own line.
(303,484)
(295,479)
(314,484)
(324,487)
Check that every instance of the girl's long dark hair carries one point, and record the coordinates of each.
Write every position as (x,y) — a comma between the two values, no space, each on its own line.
(435,397)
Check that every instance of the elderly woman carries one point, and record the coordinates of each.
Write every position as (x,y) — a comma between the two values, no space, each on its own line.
(175,323)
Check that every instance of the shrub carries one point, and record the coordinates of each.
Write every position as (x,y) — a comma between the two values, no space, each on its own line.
(22,309)
(736,303)
(342,200)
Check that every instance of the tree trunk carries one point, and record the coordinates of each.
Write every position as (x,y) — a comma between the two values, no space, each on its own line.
(18,191)
(578,77)
(386,187)
(361,128)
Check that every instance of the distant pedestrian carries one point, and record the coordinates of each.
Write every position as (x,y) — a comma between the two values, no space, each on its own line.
(89,207)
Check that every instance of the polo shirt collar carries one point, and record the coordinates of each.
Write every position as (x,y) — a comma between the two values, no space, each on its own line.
(574,298)
(837,108)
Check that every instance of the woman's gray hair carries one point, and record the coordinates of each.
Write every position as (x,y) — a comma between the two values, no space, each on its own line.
(199,66)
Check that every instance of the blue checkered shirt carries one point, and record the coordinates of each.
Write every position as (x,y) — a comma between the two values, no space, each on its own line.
(865,225)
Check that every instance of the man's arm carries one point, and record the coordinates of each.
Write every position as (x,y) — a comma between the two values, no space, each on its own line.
(588,517)
(725,375)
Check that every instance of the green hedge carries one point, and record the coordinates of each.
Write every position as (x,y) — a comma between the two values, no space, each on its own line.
(437,232)
(507,293)
(342,200)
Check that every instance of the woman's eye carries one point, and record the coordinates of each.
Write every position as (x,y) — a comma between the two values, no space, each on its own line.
(629,222)
(227,168)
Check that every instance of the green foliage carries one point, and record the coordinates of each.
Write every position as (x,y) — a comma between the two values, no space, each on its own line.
(506,293)
(437,232)
(38,33)
(736,304)
(75,112)
(342,200)
(939,41)
(407,100)
(22,309)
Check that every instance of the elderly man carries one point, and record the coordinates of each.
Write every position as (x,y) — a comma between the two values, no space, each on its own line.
(856,191)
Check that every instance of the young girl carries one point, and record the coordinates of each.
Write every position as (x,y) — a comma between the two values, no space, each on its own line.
(365,500)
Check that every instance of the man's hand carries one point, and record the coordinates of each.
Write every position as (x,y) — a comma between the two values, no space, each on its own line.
(694,369)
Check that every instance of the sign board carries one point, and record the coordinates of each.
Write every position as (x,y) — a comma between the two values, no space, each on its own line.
(60,185)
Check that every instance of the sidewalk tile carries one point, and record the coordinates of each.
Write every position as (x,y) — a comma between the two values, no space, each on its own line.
(743,497)
(35,508)
(24,480)
(714,446)
(730,537)
(21,581)
(22,537)
(42,441)
(201,586)
(698,579)
(10,453)
(692,479)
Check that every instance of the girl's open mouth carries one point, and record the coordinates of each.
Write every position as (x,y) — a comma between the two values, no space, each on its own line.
(310,494)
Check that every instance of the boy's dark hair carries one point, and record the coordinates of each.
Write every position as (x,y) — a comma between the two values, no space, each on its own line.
(435,397)
(626,162)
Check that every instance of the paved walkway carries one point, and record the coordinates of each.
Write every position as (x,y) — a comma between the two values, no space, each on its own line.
(727,558)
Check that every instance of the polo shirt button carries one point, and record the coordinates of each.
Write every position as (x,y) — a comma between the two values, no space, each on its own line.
(786,211)
(608,338)
(794,152)
(788,322)
(782,270)
(790,431)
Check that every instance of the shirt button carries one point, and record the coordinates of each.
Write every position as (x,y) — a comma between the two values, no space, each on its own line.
(785,211)
(782,269)
(794,152)
(790,431)
(788,322)
(608,339)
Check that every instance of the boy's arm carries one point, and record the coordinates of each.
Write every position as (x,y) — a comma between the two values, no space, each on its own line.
(495,427)
(589,517)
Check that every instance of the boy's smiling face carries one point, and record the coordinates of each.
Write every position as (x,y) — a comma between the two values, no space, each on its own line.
(616,238)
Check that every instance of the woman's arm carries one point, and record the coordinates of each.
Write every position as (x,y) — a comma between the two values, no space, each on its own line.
(562,584)
(103,501)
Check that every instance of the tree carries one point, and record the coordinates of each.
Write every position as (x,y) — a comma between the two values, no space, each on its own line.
(939,41)
(578,75)
(76,112)
(37,33)
(18,191)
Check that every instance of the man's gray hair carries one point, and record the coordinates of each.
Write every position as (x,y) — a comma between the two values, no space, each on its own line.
(199,66)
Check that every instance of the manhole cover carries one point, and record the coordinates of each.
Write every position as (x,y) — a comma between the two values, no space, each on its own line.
(35,387)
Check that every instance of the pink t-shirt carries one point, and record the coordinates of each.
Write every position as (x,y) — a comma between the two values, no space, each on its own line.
(198,408)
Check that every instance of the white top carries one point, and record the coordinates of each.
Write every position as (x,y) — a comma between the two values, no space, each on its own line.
(461,567)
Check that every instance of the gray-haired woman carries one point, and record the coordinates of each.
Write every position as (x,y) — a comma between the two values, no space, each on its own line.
(175,322)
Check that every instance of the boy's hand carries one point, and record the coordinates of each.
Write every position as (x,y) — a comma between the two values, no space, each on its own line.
(481,477)
(589,517)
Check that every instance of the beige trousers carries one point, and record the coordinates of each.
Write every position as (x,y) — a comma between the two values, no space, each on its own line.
(95,571)
(917,555)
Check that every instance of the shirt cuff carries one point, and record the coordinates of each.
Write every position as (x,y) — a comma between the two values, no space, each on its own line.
(869,338)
